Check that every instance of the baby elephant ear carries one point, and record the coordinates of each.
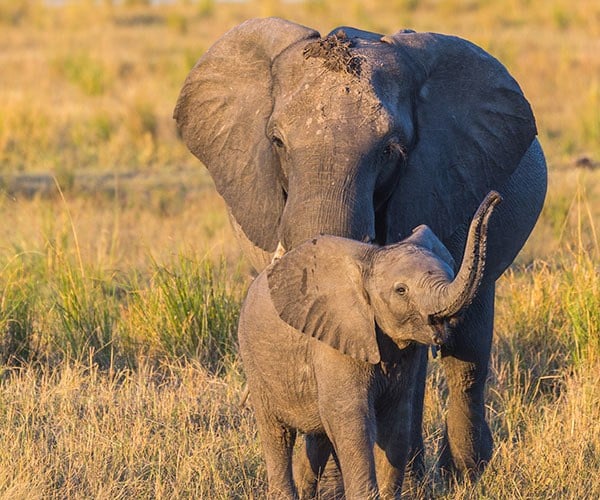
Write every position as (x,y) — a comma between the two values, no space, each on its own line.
(424,237)
(317,288)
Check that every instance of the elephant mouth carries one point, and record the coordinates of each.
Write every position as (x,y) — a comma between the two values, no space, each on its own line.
(440,331)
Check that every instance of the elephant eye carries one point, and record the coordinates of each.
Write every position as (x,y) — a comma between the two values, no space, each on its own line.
(277,142)
(393,150)
(400,289)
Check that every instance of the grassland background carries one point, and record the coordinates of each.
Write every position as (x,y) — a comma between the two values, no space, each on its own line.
(120,282)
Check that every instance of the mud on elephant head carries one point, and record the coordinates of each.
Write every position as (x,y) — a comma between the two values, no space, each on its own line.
(355,134)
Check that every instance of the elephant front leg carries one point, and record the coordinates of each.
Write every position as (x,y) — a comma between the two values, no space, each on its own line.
(468,443)
(414,474)
(390,464)
(354,447)
(277,443)
(399,426)
(348,418)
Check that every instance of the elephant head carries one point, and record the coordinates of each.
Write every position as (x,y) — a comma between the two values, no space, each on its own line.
(306,135)
(336,290)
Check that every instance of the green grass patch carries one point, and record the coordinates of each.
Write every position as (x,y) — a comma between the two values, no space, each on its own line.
(90,74)
(187,311)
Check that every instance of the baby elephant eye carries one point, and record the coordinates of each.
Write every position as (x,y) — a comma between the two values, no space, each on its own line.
(400,289)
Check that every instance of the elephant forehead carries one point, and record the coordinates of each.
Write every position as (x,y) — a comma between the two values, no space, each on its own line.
(317,96)
(411,264)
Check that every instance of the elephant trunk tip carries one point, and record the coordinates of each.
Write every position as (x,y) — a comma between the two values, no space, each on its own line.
(459,294)
(492,199)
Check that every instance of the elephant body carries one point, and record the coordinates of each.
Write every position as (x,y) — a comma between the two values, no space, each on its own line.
(366,136)
(298,383)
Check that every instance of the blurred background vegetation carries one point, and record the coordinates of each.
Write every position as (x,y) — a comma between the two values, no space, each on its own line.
(88,86)
(91,84)
(120,282)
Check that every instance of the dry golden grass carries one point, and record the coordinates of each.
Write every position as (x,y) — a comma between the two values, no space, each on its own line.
(109,391)
(93,86)
(122,228)
(77,432)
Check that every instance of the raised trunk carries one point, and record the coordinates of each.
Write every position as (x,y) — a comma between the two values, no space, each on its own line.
(458,294)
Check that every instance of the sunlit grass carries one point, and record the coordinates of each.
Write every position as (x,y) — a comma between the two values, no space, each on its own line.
(87,424)
(187,311)
(166,432)
(128,379)
(543,401)
(60,309)
(92,73)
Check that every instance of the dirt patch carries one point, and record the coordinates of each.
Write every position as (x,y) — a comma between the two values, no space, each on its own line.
(335,50)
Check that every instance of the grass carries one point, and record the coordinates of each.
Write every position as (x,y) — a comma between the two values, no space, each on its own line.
(73,98)
(119,292)
(145,413)
(185,308)
(79,432)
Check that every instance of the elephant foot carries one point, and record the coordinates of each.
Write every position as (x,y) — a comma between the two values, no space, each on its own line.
(414,483)
(466,458)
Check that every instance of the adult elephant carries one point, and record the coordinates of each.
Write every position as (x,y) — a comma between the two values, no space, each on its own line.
(367,136)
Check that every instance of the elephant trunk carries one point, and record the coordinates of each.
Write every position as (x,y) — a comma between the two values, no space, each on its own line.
(459,294)
(335,210)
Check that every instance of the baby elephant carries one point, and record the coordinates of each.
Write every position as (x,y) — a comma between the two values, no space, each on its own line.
(329,336)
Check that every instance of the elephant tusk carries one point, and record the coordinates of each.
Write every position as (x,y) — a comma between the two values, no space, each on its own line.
(279,252)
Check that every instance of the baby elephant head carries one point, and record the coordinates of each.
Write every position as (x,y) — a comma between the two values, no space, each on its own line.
(337,290)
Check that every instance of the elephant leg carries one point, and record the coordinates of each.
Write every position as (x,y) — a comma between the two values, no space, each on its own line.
(354,449)
(391,454)
(468,442)
(415,467)
(399,437)
(317,470)
(349,422)
(277,443)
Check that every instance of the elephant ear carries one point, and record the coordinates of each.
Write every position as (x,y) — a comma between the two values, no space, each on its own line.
(222,113)
(424,237)
(318,289)
(473,126)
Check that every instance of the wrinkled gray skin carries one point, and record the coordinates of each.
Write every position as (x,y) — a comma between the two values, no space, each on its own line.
(327,337)
(365,137)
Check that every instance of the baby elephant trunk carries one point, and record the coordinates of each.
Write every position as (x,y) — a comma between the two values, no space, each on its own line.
(457,295)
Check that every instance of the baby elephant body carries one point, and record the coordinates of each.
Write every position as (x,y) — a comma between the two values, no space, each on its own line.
(298,383)
(332,339)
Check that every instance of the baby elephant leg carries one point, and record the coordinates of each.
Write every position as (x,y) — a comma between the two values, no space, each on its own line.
(355,452)
(277,443)
(349,424)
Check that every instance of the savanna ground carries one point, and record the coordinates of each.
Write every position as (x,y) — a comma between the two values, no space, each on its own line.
(120,283)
